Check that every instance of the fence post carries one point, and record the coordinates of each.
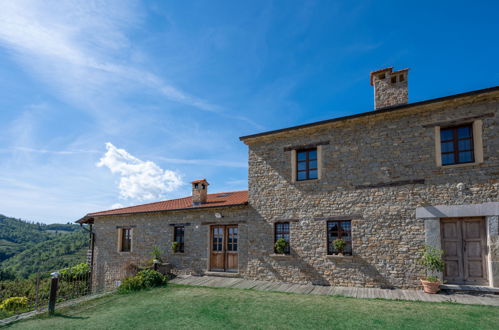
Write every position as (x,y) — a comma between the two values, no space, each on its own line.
(53,292)
(37,290)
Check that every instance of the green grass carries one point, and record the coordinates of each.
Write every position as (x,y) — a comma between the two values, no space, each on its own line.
(184,307)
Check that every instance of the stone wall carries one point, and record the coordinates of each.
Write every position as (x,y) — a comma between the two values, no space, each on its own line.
(362,153)
(155,229)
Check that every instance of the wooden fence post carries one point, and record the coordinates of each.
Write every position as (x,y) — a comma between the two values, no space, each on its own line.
(53,292)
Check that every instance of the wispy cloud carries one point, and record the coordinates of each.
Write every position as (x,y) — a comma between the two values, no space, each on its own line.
(141,180)
(205,162)
(52,152)
(76,46)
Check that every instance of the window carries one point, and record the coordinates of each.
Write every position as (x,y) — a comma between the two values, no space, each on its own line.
(126,240)
(456,145)
(178,236)
(281,230)
(339,230)
(306,164)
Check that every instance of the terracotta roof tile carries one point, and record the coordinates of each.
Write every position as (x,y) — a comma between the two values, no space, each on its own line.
(230,198)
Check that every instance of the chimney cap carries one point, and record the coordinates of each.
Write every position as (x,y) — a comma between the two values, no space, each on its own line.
(389,69)
(200,180)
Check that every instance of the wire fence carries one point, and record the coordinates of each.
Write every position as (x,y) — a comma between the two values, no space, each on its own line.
(33,295)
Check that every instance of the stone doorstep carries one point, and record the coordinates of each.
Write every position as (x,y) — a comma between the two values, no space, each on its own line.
(469,288)
(222,274)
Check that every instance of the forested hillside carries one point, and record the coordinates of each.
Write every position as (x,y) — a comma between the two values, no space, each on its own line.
(26,248)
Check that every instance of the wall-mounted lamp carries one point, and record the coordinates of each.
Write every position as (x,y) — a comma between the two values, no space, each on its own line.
(218,215)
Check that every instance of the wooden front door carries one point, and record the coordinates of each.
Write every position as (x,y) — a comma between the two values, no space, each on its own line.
(464,245)
(224,248)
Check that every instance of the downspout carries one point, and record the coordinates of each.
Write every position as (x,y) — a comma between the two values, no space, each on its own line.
(91,245)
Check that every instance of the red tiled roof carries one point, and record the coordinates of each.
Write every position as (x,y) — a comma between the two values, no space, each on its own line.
(230,198)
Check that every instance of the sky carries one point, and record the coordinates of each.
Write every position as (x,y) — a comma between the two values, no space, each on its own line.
(114,103)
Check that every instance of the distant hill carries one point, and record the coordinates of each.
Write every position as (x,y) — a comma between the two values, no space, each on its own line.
(26,247)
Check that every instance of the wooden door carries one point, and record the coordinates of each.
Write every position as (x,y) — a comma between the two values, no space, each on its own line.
(231,258)
(217,256)
(224,248)
(464,245)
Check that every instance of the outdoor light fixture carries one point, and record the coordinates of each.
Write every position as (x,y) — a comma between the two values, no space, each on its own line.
(218,215)
(55,274)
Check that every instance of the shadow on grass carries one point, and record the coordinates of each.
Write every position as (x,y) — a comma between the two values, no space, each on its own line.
(72,317)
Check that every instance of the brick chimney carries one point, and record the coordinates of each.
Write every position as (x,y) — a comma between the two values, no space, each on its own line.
(390,87)
(199,192)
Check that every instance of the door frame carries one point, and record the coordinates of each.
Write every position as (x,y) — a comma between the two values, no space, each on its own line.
(464,260)
(224,245)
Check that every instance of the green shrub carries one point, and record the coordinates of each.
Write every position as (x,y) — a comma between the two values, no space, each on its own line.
(431,258)
(156,254)
(339,245)
(432,279)
(175,247)
(151,278)
(79,271)
(144,279)
(14,304)
(281,245)
(131,283)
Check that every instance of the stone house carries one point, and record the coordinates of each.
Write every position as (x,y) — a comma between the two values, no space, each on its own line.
(386,181)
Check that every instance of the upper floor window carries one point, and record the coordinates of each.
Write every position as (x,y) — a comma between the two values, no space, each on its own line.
(339,230)
(306,164)
(281,230)
(457,145)
(178,236)
(126,240)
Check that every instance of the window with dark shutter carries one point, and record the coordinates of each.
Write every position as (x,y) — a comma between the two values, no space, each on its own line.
(126,239)
(178,236)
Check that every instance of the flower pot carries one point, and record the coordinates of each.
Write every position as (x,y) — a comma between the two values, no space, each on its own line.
(430,287)
(340,254)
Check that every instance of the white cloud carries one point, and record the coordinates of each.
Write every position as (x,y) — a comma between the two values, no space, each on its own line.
(116,206)
(141,180)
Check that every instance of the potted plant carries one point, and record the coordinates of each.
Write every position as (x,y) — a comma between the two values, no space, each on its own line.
(281,246)
(339,245)
(175,247)
(156,255)
(431,259)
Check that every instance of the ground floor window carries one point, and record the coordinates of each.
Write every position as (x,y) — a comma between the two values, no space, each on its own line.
(339,230)
(125,239)
(178,236)
(281,230)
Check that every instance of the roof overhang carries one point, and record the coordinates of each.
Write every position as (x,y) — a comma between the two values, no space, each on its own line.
(89,218)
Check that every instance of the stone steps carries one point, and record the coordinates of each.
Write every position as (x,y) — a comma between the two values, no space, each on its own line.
(223,274)
(469,288)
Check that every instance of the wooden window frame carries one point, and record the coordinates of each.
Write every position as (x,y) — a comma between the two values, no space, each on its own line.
(307,161)
(123,238)
(455,140)
(281,233)
(330,250)
(176,238)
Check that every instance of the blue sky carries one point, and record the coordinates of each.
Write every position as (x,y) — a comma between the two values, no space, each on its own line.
(108,103)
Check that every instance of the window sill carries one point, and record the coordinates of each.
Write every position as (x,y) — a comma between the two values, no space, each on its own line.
(306,181)
(459,165)
(335,256)
(277,255)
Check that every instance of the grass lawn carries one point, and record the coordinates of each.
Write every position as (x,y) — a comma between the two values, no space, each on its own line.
(187,307)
